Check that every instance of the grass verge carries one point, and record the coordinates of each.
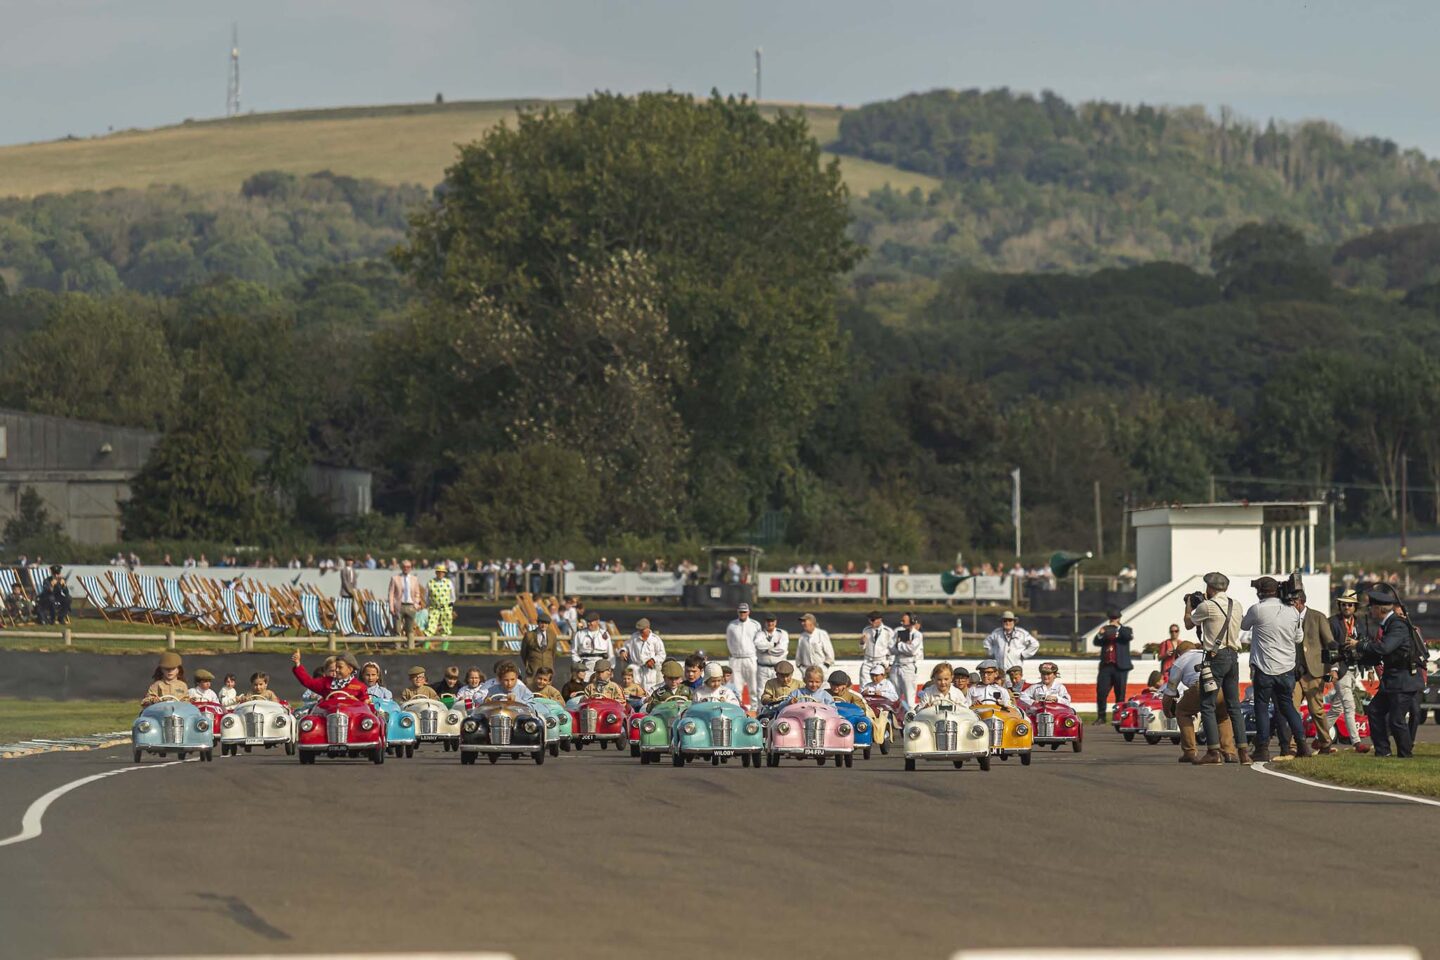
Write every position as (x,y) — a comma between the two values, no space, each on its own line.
(27,719)
(1419,775)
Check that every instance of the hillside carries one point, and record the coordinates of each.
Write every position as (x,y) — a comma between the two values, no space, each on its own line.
(406,143)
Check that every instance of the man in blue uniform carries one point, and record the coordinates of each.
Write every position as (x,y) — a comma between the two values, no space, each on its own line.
(1394,648)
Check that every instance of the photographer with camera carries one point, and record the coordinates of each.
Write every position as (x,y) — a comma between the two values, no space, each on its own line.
(1400,650)
(1349,632)
(1216,618)
(1275,632)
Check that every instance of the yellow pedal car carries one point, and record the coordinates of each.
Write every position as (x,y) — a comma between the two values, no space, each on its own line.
(1011,733)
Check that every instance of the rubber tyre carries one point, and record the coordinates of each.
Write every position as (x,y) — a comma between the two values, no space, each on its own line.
(539,756)
(377,756)
(565,745)
(493,757)
(744,759)
(909,764)
(1075,746)
(1151,739)
(179,754)
(959,764)
(1175,741)
(867,753)
(772,760)
(604,744)
(515,756)
(207,756)
(247,748)
(644,759)
(678,759)
(884,748)
(137,756)
(554,749)
(409,750)
(289,749)
(1129,735)
(1054,746)
(714,761)
(1025,759)
(849,759)
(579,745)
(307,758)
(820,761)
(839,761)
(984,764)
(467,759)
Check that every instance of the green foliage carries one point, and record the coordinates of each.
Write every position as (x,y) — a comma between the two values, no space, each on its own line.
(523,500)
(32,521)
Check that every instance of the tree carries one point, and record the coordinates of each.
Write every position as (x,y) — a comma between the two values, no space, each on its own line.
(742,224)
(32,521)
(1268,260)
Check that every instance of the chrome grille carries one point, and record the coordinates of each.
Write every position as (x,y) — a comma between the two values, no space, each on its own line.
(947,735)
(174,729)
(1044,725)
(429,722)
(720,731)
(997,731)
(501,727)
(254,724)
(814,732)
(337,728)
(588,721)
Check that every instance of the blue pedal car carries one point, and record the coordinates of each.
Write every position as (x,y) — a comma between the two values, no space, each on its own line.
(401,732)
(860,720)
(559,724)
(716,730)
(172,726)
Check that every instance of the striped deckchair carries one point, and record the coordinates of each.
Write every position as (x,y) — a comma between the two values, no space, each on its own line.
(510,630)
(175,599)
(233,617)
(377,618)
(263,619)
(99,598)
(159,606)
(125,597)
(345,617)
(38,576)
(7,583)
(312,620)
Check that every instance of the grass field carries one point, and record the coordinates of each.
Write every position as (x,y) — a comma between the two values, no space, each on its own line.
(407,143)
(26,719)
(1420,775)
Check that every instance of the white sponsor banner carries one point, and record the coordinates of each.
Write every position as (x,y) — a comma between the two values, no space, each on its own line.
(596,583)
(926,586)
(855,586)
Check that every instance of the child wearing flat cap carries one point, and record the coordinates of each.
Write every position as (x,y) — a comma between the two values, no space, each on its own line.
(168,679)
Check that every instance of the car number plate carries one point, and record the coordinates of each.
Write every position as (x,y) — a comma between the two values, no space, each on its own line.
(587,738)
(723,753)
(254,741)
(814,752)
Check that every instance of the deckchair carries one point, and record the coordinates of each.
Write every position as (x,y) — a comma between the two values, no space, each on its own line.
(175,599)
(125,597)
(312,618)
(345,617)
(99,598)
(377,618)
(263,620)
(235,619)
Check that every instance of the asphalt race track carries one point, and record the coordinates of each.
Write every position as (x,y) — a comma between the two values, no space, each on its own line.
(594,855)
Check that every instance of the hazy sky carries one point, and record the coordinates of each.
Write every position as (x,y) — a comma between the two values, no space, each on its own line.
(71,67)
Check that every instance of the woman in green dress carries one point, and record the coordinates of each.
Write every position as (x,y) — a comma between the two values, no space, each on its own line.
(440,616)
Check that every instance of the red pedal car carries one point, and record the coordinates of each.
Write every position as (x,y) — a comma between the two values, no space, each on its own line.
(1056,724)
(1335,723)
(341,726)
(213,712)
(600,720)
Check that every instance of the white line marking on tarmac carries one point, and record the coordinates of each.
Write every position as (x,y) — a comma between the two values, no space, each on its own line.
(1201,953)
(30,827)
(1264,768)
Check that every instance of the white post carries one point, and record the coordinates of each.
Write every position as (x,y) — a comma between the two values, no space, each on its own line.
(1310,553)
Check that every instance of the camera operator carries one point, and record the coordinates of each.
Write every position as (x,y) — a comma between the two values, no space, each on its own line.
(1185,672)
(1275,631)
(1398,648)
(1216,619)
(1312,659)
(1348,631)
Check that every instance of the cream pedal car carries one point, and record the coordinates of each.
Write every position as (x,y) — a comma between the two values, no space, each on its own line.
(435,722)
(945,730)
(257,723)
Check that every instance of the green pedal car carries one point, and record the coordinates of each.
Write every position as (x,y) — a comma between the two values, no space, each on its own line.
(655,727)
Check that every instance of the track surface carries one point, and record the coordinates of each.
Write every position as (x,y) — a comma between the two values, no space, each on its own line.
(592,854)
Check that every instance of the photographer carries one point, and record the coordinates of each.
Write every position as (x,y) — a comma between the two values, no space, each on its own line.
(1399,649)
(1349,632)
(1275,632)
(1114,642)
(1216,619)
(1185,672)
(1312,659)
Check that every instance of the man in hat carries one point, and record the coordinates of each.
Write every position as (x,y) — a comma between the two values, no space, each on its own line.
(204,679)
(537,648)
(781,685)
(344,677)
(1275,632)
(418,687)
(742,642)
(814,648)
(1217,619)
(644,651)
(672,685)
(1009,645)
(879,686)
(1114,641)
(772,646)
(405,598)
(1313,659)
(1397,648)
(1185,671)
(909,651)
(877,643)
(1349,632)
(592,644)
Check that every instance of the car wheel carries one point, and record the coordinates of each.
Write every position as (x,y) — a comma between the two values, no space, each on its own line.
(307,758)
(247,748)
(884,748)
(466,758)
(514,756)
(1129,735)
(744,760)
(772,760)
(604,744)
(1024,759)
(179,754)
(820,761)
(839,761)
(714,761)
(634,749)
(1054,746)
(137,756)
(289,749)
(1420,718)
(579,746)
(493,757)
(849,759)
(867,752)
(539,756)
(1151,739)
(1075,746)
(678,759)
(909,764)
(1175,741)
(984,764)
(207,756)
(959,764)
(565,745)
(554,749)
(378,755)
(644,759)
(409,750)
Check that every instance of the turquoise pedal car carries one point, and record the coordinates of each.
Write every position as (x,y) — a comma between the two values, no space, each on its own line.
(655,728)
(719,731)
(860,720)
(559,724)
(401,730)
(170,725)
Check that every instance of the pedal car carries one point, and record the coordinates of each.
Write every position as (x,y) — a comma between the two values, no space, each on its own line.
(1010,730)
(401,726)
(1335,724)
(944,730)
(807,729)
(214,713)
(863,726)
(559,725)
(339,725)
(499,725)
(1056,724)
(170,725)
(888,714)
(632,728)
(654,728)
(600,720)
(718,730)
(1155,726)
(1127,719)
(257,723)
(435,722)
(1247,710)
(1429,697)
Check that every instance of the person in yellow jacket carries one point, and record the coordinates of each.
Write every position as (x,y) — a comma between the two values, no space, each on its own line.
(440,618)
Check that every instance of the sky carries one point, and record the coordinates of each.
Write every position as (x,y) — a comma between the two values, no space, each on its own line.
(69,67)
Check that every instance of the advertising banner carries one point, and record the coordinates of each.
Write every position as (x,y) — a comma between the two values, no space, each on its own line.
(595,583)
(860,586)
(926,587)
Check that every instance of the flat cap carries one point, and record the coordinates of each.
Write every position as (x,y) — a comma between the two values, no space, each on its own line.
(417,671)
(603,666)
(784,668)
(671,670)
(643,623)
(839,676)
(170,659)
(1217,581)
(203,674)
(712,669)
(1266,585)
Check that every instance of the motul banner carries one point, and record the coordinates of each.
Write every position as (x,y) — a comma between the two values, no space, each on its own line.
(859,586)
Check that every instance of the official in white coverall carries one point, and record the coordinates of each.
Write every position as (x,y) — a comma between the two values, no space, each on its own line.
(741,641)
(909,651)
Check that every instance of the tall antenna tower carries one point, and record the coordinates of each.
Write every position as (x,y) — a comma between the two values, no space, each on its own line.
(232,90)
(759,52)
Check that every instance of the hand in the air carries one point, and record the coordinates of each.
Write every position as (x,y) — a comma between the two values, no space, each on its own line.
(295,658)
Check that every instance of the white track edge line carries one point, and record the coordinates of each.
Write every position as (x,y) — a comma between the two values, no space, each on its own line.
(30,824)
(1265,768)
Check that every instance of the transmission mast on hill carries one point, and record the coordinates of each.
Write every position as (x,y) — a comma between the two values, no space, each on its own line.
(232,90)
(759,51)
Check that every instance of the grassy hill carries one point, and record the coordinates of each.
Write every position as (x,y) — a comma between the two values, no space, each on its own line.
(404,143)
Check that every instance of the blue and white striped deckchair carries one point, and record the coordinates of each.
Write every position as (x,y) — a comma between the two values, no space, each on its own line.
(125,597)
(158,606)
(345,617)
(314,622)
(377,618)
(7,583)
(263,618)
(233,618)
(38,576)
(175,599)
(98,598)
(511,631)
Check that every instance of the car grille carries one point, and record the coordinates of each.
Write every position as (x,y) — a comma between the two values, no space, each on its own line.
(429,722)
(254,724)
(1044,725)
(174,729)
(720,731)
(947,735)
(501,727)
(588,721)
(814,732)
(337,728)
(997,731)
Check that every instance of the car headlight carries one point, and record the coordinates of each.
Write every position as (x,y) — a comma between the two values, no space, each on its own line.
(407,722)
(1021,730)
(648,726)
(307,725)
(453,718)
(470,726)
(529,726)
(913,732)
(752,727)
(688,727)
(552,723)
(202,724)
(367,724)
(843,729)
(782,727)
(1068,722)
(279,723)
(978,730)
(143,726)
(228,722)
(611,718)
(861,727)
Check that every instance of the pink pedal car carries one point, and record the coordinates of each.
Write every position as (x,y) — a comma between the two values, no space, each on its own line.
(807,729)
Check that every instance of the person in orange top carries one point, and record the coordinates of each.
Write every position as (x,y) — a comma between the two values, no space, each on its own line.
(344,677)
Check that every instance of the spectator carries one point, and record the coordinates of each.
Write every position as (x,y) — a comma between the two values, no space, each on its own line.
(406,597)
(1185,671)
(348,580)
(1166,651)
(1275,631)
(1313,657)
(1114,642)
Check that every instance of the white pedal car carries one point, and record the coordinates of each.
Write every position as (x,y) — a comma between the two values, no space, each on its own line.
(257,723)
(435,722)
(1155,726)
(944,730)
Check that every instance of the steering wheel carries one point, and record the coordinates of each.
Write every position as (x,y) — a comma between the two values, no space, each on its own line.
(168,699)
(341,693)
(499,698)
(804,698)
